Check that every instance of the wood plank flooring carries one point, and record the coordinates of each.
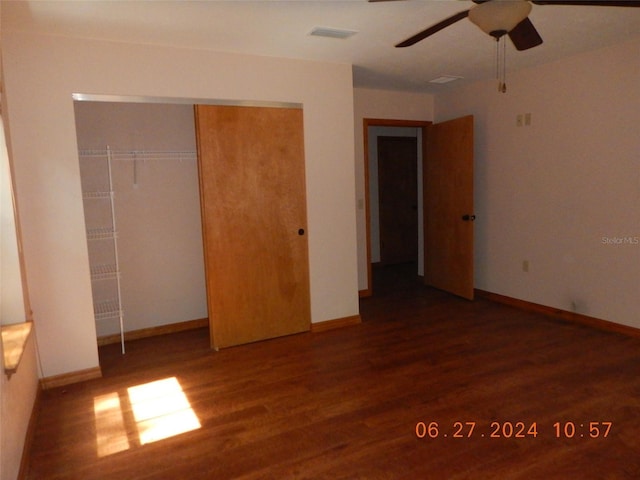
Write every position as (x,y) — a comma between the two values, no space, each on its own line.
(344,404)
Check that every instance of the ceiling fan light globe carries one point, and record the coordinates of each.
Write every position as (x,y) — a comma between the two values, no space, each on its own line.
(499,15)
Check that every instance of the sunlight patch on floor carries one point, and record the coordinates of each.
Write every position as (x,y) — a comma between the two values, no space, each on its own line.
(111,435)
(161,410)
(155,411)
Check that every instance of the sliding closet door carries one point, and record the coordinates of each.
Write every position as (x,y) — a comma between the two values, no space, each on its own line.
(252,185)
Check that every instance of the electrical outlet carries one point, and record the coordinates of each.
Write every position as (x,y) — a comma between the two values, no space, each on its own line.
(525,265)
(527,119)
(519,120)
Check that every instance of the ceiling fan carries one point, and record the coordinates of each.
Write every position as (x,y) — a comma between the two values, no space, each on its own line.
(507,17)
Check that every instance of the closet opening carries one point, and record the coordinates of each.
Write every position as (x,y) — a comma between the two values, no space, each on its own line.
(139,176)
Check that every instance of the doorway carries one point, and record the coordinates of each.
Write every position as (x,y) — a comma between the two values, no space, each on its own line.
(446,247)
(398,163)
(398,199)
(390,257)
(142,177)
(139,177)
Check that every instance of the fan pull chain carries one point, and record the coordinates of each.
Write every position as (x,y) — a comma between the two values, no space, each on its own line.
(504,66)
(501,64)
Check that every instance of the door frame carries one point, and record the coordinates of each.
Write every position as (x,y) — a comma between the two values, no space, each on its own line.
(381,122)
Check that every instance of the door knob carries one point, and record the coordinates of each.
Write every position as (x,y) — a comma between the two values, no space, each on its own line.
(468,218)
(301,231)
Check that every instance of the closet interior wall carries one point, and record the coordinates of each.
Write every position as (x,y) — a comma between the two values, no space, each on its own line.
(157,209)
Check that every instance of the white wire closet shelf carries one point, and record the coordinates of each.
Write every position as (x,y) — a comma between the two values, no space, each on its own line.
(106,309)
(140,154)
(104,272)
(88,195)
(101,233)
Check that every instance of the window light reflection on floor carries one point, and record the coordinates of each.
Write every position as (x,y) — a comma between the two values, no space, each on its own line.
(160,410)
(111,435)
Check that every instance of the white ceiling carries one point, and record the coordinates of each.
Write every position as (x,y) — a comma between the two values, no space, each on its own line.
(281,29)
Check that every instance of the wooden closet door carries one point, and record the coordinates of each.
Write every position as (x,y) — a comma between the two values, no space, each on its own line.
(253,197)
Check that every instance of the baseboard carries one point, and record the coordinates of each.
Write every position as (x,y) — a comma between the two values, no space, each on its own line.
(365,293)
(69,378)
(335,323)
(28,439)
(154,331)
(560,314)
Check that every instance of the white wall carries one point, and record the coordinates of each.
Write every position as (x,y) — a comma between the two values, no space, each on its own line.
(42,72)
(379,104)
(157,207)
(552,193)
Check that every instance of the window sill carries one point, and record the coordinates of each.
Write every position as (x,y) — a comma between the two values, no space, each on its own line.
(14,339)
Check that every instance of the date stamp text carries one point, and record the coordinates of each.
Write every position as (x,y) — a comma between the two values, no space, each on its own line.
(507,429)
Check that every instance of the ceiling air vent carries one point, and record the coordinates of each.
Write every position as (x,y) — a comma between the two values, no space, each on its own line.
(445,79)
(332,32)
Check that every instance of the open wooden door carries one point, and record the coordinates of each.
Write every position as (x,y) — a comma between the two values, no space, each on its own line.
(253,196)
(448,191)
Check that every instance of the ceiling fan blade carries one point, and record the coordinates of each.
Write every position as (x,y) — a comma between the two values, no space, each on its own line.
(433,29)
(590,3)
(525,36)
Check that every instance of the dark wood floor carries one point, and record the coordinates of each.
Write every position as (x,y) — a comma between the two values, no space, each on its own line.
(344,404)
